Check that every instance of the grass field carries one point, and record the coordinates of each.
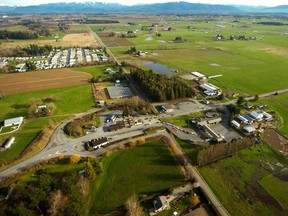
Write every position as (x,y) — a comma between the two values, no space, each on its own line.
(235,181)
(277,188)
(68,100)
(248,67)
(144,169)
(95,71)
(182,121)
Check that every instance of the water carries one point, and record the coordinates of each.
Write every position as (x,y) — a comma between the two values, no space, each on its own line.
(160,68)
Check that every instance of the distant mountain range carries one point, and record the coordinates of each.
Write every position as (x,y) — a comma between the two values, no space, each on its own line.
(158,8)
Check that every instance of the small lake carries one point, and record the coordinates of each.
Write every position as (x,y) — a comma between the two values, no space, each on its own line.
(159,68)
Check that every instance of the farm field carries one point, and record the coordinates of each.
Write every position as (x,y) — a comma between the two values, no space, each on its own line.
(39,80)
(64,40)
(95,71)
(235,181)
(153,168)
(248,66)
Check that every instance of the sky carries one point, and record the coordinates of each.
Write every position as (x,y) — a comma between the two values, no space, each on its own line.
(133,2)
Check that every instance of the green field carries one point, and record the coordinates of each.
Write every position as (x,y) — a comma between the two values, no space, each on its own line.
(235,181)
(277,188)
(248,67)
(143,170)
(67,101)
(95,71)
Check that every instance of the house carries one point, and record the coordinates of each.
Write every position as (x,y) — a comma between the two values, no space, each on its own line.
(159,204)
(256,115)
(13,121)
(249,128)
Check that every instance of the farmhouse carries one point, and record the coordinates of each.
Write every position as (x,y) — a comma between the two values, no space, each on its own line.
(13,121)
(159,204)
(119,92)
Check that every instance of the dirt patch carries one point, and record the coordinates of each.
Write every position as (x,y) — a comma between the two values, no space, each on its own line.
(40,80)
(114,41)
(276,140)
(276,51)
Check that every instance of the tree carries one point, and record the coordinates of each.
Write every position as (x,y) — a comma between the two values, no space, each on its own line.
(195,200)
(75,159)
(96,164)
(55,202)
(133,206)
(240,100)
(89,171)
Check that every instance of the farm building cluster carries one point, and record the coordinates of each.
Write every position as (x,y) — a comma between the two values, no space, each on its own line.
(57,59)
(251,122)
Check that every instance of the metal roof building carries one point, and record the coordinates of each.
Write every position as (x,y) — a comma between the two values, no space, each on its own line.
(13,121)
(119,92)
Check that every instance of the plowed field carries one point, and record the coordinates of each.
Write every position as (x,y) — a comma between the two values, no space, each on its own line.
(39,80)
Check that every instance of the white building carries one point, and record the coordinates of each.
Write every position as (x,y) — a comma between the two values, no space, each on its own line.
(13,121)
(256,115)
(9,142)
(210,89)
(235,124)
(249,128)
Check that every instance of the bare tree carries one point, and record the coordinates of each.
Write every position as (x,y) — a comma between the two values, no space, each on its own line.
(133,206)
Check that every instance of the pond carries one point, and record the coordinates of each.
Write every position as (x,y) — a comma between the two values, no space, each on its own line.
(160,68)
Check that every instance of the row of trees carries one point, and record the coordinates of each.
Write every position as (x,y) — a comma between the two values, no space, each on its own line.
(5,34)
(35,50)
(220,151)
(160,87)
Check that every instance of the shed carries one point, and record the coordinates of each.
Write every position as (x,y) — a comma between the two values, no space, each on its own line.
(249,128)
(242,119)
(9,142)
(266,116)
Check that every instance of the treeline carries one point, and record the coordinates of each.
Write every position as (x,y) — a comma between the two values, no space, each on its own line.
(88,21)
(35,50)
(220,151)
(160,87)
(271,23)
(21,35)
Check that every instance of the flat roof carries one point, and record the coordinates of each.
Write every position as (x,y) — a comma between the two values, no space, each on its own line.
(119,92)
(197,74)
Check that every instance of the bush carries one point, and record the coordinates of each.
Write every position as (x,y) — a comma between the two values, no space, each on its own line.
(75,159)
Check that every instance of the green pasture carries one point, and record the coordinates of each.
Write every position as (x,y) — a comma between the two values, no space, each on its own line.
(248,67)
(96,70)
(277,188)
(144,170)
(67,101)
(235,181)
(182,121)
(191,150)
